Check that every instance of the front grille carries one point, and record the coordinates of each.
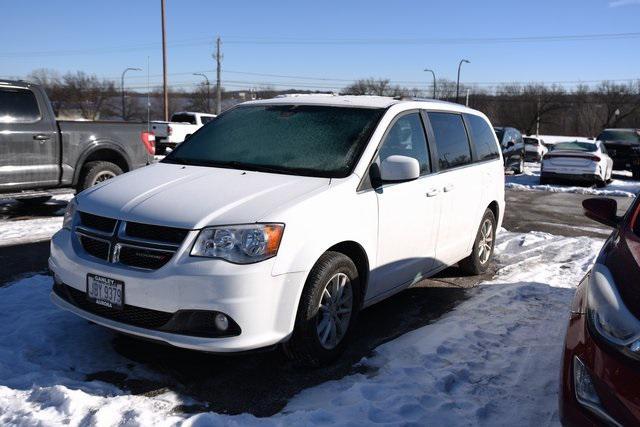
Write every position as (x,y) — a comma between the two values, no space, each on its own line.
(128,243)
(95,247)
(131,315)
(100,223)
(154,232)
(144,258)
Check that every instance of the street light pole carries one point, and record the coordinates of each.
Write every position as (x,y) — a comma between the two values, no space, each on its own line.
(124,113)
(165,91)
(208,91)
(434,82)
(458,82)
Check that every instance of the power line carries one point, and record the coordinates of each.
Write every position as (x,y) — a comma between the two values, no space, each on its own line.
(239,40)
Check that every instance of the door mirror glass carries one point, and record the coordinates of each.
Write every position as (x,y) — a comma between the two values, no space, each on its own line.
(602,209)
(399,168)
(511,144)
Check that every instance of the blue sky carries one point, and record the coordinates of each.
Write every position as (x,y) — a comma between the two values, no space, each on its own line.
(393,39)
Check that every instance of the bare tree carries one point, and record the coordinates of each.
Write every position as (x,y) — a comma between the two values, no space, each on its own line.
(619,101)
(87,94)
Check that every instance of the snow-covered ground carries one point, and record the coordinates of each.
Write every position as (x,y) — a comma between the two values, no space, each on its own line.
(493,360)
(530,181)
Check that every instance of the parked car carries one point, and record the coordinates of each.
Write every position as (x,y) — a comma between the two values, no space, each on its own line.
(534,148)
(577,161)
(295,213)
(513,149)
(623,146)
(40,155)
(181,126)
(601,361)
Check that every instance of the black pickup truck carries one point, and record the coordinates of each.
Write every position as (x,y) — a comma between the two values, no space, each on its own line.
(40,155)
(623,146)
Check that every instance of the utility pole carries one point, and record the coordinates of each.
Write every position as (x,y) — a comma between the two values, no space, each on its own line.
(165,92)
(458,82)
(467,101)
(124,113)
(434,83)
(218,57)
(208,91)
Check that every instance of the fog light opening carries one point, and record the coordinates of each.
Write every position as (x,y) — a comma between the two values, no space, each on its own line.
(221,322)
(585,391)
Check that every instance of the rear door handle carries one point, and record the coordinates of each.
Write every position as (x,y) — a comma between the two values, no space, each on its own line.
(41,137)
(448,187)
(433,192)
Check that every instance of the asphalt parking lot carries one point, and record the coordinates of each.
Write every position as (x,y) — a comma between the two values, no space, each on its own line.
(262,383)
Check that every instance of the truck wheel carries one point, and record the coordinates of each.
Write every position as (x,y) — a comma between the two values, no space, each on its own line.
(96,172)
(161,150)
(478,261)
(327,311)
(636,173)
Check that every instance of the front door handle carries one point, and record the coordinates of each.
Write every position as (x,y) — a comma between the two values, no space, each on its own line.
(433,192)
(41,137)
(449,187)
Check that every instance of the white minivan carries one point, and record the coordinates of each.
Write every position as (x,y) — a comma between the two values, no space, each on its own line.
(281,219)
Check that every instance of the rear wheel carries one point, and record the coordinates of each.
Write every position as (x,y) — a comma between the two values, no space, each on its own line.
(328,308)
(96,172)
(478,261)
(636,173)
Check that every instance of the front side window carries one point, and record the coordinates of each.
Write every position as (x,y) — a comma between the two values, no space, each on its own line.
(18,106)
(619,135)
(483,138)
(406,138)
(311,140)
(451,141)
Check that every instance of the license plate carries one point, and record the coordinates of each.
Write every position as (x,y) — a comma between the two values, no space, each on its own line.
(105,291)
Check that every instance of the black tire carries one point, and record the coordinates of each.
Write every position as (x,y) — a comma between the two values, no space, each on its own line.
(473,264)
(92,172)
(601,184)
(520,168)
(635,172)
(35,201)
(304,347)
(161,150)
(545,181)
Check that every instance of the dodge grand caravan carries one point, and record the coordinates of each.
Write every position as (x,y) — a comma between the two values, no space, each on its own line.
(278,221)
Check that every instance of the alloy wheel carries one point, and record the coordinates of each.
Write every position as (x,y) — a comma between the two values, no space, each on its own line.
(485,244)
(102,176)
(334,311)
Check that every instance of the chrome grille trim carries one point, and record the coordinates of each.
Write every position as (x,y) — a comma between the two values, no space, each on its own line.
(118,239)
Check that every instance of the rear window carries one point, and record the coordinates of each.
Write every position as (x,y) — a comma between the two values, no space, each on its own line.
(451,142)
(530,141)
(18,106)
(620,135)
(206,119)
(574,146)
(184,118)
(483,138)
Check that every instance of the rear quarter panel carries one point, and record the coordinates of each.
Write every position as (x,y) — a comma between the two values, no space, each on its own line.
(79,139)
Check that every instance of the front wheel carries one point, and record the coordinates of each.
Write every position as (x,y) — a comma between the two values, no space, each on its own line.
(328,308)
(478,261)
(519,169)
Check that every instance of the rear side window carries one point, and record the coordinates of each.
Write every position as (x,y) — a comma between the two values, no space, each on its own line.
(451,140)
(483,138)
(184,118)
(407,138)
(18,106)
(206,119)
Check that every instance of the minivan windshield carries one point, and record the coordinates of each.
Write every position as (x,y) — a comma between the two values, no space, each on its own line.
(312,140)
(574,146)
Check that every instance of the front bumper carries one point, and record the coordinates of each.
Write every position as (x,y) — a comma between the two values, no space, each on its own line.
(263,306)
(616,380)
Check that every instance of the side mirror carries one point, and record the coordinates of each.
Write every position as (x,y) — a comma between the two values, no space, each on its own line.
(602,209)
(511,144)
(398,168)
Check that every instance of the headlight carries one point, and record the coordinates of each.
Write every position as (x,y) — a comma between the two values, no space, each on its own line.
(240,244)
(69,214)
(608,314)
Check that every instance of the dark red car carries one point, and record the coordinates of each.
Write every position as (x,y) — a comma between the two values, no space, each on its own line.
(601,363)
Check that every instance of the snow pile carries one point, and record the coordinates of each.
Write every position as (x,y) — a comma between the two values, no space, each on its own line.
(28,230)
(530,181)
(494,359)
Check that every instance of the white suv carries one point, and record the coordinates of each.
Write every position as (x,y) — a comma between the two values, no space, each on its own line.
(277,222)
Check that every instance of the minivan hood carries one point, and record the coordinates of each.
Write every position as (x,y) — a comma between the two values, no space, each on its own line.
(194,196)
